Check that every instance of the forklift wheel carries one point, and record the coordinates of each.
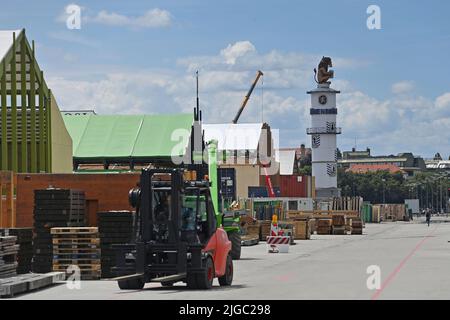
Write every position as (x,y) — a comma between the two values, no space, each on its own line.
(132,284)
(227,278)
(203,280)
(235,238)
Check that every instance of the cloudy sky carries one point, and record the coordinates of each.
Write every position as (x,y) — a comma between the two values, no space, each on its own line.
(141,56)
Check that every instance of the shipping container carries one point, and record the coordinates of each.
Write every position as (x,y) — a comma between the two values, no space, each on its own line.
(293,186)
(261,192)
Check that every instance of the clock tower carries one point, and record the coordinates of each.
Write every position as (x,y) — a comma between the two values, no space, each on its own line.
(323,132)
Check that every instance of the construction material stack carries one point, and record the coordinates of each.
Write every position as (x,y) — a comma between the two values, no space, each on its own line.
(54,208)
(8,256)
(323,226)
(357,226)
(115,227)
(338,222)
(302,229)
(265,229)
(25,242)
(249,228)
(77,246)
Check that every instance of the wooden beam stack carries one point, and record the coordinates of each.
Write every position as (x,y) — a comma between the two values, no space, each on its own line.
(338,224)
(115,227)
(323,226)
(8,256)
(25,242)
(54,208)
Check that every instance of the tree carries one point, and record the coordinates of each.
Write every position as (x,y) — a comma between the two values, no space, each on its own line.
(305,171)
(372,185)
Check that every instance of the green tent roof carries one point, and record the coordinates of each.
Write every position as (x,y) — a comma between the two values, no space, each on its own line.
(127,136)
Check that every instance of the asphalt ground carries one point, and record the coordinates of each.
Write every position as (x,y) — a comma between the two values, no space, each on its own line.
(411,259)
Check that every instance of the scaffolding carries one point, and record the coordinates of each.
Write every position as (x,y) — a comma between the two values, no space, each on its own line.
(25,107)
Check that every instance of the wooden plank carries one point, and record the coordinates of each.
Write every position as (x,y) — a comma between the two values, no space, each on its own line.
(28,282)
(4,134)
(74,230)
(2,207)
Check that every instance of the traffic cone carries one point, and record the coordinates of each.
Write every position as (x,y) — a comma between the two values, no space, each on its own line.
(274,226)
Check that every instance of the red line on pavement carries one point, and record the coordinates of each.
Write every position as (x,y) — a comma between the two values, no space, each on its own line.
(401,265)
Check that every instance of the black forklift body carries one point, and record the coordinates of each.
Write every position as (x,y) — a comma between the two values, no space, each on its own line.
(170,236)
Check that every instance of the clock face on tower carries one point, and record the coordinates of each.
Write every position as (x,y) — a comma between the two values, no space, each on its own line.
(323,99)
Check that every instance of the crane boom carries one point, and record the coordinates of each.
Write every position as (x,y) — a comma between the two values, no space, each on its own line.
(247,96)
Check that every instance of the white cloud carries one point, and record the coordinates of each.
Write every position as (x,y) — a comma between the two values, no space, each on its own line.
(443,101)
(403,122)
(237,50)
(403,87)
(155,18)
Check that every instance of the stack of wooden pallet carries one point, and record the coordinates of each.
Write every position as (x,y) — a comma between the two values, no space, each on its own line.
(323,226)
(302,229)
(78,246)
(8,256)
(338,222)
(357,226)
(115,227)
(25,242)
(54,208)
(265,229)
(348,225)
(250,231)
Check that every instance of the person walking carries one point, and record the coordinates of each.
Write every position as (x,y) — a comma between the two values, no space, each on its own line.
(428,216)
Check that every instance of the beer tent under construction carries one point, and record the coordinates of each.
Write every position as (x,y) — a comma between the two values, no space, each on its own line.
(33,135)
(126,141)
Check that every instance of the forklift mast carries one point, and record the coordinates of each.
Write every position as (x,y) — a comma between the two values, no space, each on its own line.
(212,174)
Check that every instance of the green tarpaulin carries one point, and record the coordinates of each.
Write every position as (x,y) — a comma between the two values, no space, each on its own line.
(128,136)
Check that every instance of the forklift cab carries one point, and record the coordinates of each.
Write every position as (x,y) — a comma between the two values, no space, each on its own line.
(198,221)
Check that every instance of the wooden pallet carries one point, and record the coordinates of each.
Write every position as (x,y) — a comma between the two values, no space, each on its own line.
(92,248)
(82,267)
(77,261)
(58,255)
(75,230)
(75,241)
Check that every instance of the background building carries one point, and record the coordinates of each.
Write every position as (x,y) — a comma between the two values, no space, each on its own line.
(406,161)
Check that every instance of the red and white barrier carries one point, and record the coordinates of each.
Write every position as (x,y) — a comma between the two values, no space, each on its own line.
(278,244)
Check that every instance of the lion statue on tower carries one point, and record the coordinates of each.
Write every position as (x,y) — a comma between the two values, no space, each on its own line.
(321,74)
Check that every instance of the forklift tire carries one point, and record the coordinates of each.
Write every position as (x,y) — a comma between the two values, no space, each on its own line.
(132,284)
(204,280)
(191,281)
(227,278)
(235,238)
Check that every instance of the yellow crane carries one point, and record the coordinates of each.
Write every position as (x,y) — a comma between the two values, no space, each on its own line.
(247,96)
